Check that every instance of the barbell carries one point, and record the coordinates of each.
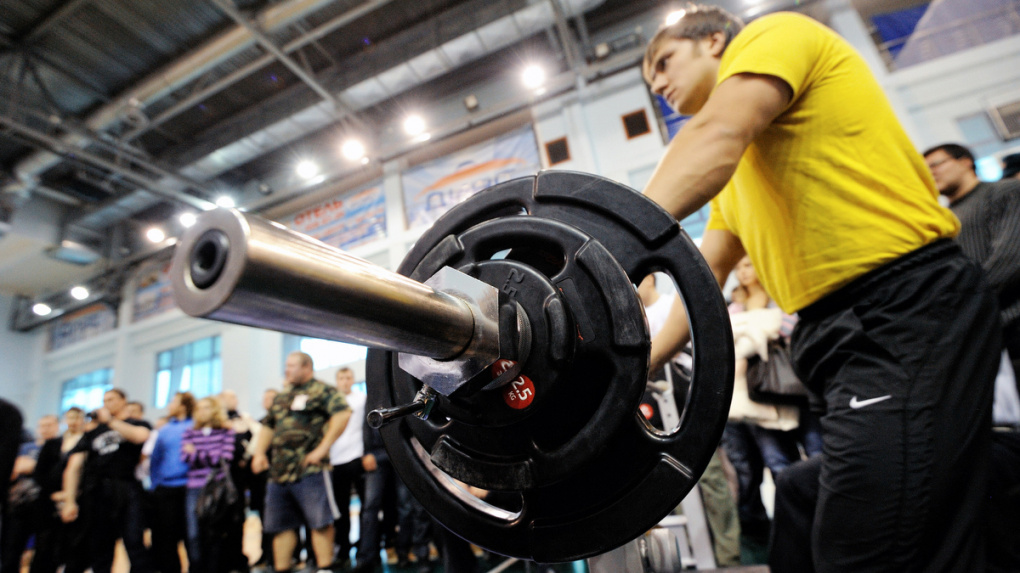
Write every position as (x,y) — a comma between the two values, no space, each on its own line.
(508,353)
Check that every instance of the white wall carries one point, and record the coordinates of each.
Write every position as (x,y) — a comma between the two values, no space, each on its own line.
(937,94)
(591,120)
(931,98)
(20,364)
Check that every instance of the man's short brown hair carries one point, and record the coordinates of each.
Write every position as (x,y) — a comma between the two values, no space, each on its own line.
(698,21)
(306,359)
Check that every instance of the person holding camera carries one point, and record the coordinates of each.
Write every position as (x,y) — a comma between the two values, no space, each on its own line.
(110,505)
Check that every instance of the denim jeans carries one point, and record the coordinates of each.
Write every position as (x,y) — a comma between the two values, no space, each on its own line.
(194,540)
(372,504)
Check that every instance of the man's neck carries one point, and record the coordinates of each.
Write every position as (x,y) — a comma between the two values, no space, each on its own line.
(299,384)
(965,188)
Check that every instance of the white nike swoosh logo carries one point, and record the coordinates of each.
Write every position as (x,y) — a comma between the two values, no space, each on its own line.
(856,404)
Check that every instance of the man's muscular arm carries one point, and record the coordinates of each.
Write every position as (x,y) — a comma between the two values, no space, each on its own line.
(704,154)
(722,250)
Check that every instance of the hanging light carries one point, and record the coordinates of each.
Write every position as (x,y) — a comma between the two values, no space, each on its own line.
(80,293)
(306,169)
(155,234)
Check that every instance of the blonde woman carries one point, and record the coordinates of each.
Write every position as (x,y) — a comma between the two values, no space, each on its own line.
(203,448)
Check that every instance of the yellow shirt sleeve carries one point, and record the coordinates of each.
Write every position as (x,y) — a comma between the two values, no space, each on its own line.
(786,46)
(715,217)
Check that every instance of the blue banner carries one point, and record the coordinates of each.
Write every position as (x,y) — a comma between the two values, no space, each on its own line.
(350,220)
(84,324)
(154,293)
(433,188)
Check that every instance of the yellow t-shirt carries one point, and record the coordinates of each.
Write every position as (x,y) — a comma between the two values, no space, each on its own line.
(833,187)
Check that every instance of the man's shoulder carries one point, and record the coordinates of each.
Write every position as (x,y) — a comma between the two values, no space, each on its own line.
(139,423)
(782,20)
(1004,188)
(319,388)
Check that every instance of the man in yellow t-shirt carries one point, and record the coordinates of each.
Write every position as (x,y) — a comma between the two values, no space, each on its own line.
(810,174)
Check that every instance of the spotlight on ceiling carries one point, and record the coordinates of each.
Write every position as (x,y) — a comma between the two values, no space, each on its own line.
(674,17)
(79,293)
(306,169)
(225,201)
(155,234)
(414,125)
(41,309)
(187,219)
(533,76)
(353,149)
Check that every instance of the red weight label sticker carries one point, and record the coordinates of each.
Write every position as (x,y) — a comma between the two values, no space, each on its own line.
(647,411)
(500,366)
(519,393)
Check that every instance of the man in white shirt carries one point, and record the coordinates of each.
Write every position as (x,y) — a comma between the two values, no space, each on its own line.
(345,457)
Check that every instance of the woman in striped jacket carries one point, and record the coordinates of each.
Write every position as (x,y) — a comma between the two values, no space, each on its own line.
(203,448)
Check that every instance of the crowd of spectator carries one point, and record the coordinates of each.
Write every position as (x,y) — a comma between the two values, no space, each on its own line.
(162,488)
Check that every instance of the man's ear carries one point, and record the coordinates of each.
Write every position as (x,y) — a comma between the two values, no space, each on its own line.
(716,44)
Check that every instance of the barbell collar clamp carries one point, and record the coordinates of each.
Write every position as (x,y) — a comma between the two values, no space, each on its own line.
(421,407)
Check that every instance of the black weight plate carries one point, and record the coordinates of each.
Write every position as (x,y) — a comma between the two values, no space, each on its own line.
(573,408)
(639,474)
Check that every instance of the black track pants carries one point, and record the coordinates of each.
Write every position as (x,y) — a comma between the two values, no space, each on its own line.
(904,359)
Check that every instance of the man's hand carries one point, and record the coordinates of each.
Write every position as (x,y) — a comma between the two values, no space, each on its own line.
(369,463)
(103,416)
(259,463)
(314,457)
(69,511)
(188,448)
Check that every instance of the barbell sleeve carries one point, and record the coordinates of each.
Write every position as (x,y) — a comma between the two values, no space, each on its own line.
(239,268)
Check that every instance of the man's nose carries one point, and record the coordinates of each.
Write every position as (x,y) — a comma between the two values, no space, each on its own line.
(658,84)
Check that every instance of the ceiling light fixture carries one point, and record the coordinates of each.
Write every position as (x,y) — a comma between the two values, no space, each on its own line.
(79,293)
(306,169)
(675,16)
(187,219)
(414,125)
(225,201)
(353,149)
(155,234)
(533,76)
(41,309)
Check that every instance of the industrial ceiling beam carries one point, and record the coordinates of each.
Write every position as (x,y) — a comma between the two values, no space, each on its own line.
(249,69)
(50,20)
(304,75)
(57,146)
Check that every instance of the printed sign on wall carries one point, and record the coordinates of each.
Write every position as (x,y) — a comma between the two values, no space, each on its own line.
(353,219)
(154,294)
(84,324)
(433,188)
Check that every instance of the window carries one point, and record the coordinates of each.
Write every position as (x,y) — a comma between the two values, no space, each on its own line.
(324,353)
(557,151)
(636,124)
(327,353)
(86,391)
(194,367)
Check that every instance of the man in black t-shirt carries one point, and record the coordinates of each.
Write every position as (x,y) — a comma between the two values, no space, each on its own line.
(103,464)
